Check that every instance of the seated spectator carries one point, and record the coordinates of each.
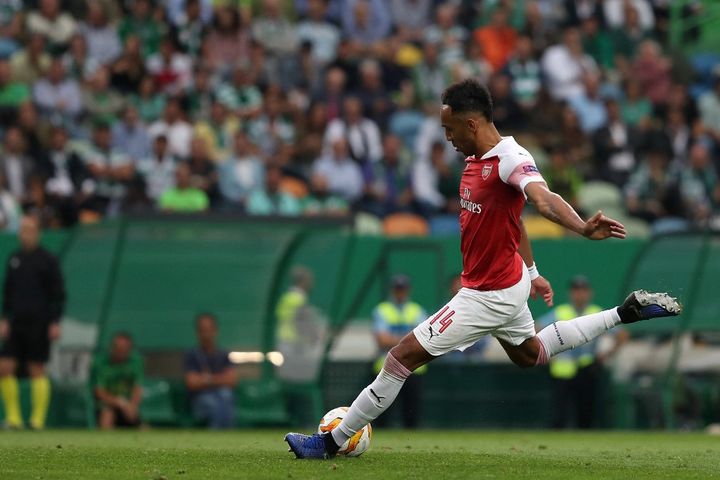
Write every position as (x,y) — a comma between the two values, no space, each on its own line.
(635,107)
(321,34)
(201,96)
(525,74)
(117,384)
(183,197)
(58,95)
(389,188)
(203,172)
(12,93)
(69,184)
(173,126)
(274,31)
(218,131)
(100,35)
(157,170)
(411,18)
(561,176)
(497,38)
(343,175)
(614,146)
(100,102)
(651,191)
(37,204)
(9,209)
(652,70)
(321,202)
(588,106)
(128,71)
(33,129)
(130,135)
(50,21)
(31,62)
(227,40)
(435,181)
(361,135)
(446,32)
(76,61)
(150,103)
(210,377)
(171,69)
(242,172)
(429,75)
(112,170)
(698,185)
(269,199)
(189,23)
(241,95)
(564,65)
(709,105)
(366,22)
(373,93)
(141,22)
(10,28)
(625,39)
(271,131)
(507,114)
(15,166)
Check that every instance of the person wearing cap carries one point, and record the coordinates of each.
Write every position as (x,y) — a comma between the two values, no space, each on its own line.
(576,372)
(392,320)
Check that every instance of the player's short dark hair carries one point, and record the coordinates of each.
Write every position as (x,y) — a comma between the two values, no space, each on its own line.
(469,96)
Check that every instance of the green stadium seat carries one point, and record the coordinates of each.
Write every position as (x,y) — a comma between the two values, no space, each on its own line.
(157,406)
(260,403)
(603,196)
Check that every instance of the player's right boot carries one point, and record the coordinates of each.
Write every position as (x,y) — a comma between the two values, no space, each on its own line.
(319,446)
(644,305)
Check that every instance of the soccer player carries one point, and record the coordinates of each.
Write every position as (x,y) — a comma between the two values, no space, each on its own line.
(498,270)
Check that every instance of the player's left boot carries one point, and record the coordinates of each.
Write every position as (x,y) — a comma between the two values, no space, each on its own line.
(318,445)
(644,305)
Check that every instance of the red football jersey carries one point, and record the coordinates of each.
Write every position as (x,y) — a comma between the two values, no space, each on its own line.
(492,198)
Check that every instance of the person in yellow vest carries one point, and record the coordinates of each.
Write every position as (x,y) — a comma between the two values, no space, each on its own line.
(392,320)
(290,303)
(576,372)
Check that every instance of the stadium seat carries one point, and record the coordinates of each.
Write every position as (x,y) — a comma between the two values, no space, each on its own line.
(368,224)
(260,403)
(603,196)
(540,227)
(294,186)
(157,403)
(445,225)
(405,224)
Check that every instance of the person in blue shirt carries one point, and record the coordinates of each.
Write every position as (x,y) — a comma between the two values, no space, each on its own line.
(210,377)
(392,320)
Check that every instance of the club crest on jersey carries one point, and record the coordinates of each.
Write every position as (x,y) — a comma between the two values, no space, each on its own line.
(466,193)
(486,171)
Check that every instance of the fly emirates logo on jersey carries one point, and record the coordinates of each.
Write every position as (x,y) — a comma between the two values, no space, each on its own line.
(465,202)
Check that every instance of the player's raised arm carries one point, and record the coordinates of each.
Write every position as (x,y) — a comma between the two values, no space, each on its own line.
(553,207)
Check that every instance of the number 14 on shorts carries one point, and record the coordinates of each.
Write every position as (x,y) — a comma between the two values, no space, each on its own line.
(444,318)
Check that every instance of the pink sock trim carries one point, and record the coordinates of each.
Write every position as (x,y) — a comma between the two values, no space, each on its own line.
(542,358)
(395,368)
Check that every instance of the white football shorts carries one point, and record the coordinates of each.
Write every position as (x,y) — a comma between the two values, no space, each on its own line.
(471,314)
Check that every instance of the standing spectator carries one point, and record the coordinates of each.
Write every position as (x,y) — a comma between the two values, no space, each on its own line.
(52,23)
(343,175)
(242,172)
(76,61)
(56,95)
(616,13)
(15,166)
(31,62)
(157,170)
(183,197)
(709,105)
(498,39)
(172,124)
(392,320)
(33,304)
(130,135)
(269,199)
(9,209)
(100,35)
(361,134)
(271,131)
(117,378)
(565,64)
(614,146)
(210,377)
(320,33)
(140,22)
(171,69)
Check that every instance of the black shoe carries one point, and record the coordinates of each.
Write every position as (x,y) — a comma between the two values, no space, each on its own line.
(643,305)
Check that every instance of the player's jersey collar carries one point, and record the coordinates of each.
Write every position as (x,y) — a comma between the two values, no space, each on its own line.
(494,151)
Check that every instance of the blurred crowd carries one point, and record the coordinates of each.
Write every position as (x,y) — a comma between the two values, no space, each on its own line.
(330,107)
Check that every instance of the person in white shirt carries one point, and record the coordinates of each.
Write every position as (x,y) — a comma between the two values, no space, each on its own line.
(178,132)
(342,175)
(362,134)
(565,64)
(323,35)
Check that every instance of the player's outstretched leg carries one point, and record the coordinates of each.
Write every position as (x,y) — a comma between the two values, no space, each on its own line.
(372,401)
(639,305)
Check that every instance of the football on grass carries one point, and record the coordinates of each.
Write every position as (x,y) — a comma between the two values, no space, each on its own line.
(357,444)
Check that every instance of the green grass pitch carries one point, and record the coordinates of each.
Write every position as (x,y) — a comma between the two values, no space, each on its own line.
(169,454)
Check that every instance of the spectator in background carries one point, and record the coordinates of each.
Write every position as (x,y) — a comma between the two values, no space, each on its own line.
(565,64)
(333,93)
(525,75)
(241,95)
(10,27)
(12,93)
(651,191)
(32,62)
(598,43)
(366,22)
(698,185)
(373,94)
(9,209)
(614,146)
(151,104)
(227,41)
(561,176)
(625,39)
(128,71)
(429,76)
(410,18)
(189,23)
(49,21)
(652,71)
(271,131)
(117,377)
(203,172)
(210,377)
(507,114)
(498,39)
(389,187)
(15,166)
(130,135)
(100,35)
(320,33)
(242,172)
(588,106)
(392,320)
(435,182)
(173,126)
(342,174)
(201,95)
(635,107)
(100,102)
(76,61)
(112,170)
(171,69)
(617,13)
(56,95)
(33,129)
(361,134)
(183,197)
(140,22)
(269,199)
(33,304)
(157,170)
(217,131)
(447,33)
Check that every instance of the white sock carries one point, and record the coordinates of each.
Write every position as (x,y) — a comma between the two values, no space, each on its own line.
(561,336)
(373,400)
